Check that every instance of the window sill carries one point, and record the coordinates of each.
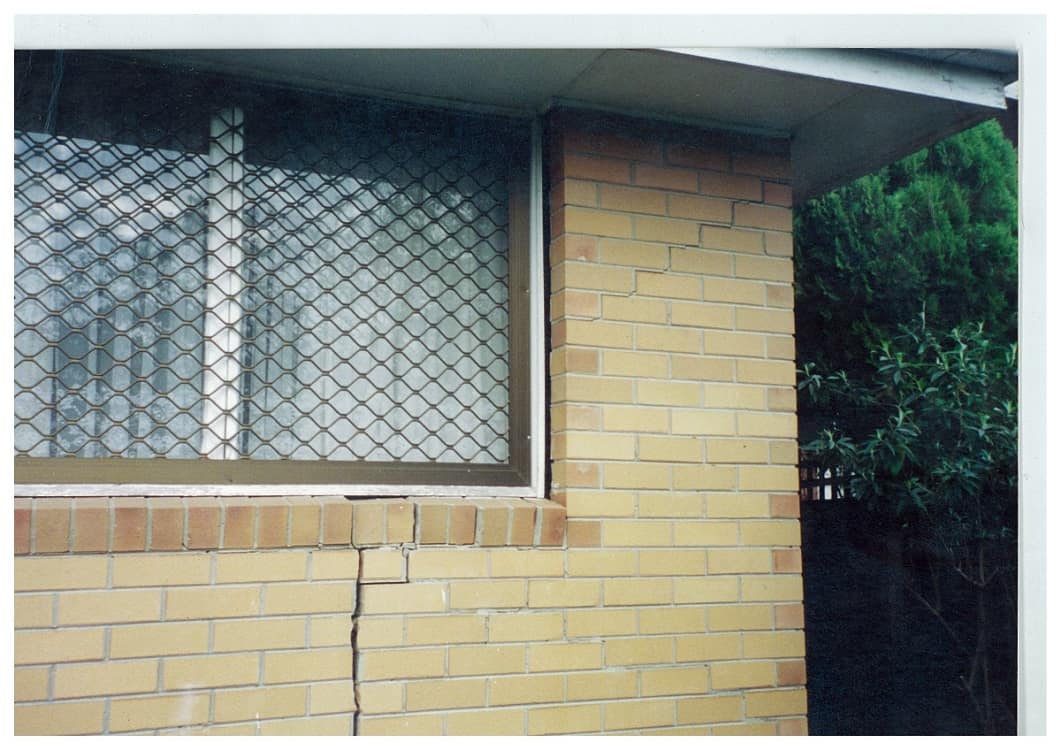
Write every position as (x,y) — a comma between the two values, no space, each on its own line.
(155,524)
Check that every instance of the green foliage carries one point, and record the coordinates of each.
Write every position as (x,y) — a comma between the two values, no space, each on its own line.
(931,436)
(934,233)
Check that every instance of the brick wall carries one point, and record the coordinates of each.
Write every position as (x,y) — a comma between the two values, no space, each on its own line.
(658,590)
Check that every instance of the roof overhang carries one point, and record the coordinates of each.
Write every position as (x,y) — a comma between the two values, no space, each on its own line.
(844,111)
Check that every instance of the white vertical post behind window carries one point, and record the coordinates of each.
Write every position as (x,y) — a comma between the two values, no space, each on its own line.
(223,285)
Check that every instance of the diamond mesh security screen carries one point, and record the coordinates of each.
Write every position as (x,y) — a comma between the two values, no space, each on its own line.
(211,271)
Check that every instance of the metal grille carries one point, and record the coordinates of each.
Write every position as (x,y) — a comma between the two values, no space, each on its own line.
(265,275)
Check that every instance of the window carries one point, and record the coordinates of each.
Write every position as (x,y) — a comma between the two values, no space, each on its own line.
(224,283)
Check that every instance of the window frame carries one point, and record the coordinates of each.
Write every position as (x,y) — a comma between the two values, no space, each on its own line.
(522,476)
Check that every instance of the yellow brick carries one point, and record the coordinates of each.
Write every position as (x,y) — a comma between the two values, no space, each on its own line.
(763,268)
(734,396)
(522,626)
(98,607)
(60,573)
(705,534)
(636,533)
(204,603)
(244,567)
(519,563)
(764,217)
(375,697)
(769,478)
(79,717)
(733,675)
(739,561)
(106,678)
(625,652)
(670,505)
(563,593)
(564,719)
(779,243)
(710,589)
(331,630)
(421,725)
(305,598)
(396,598)
(574,417)
(259,703)
(309,665)
(643,254)
(658,338)
(33,610)
(698,648)
(579,192)
(699,207)
(749,729)
(774,645)
(771,321)
(597,223)
(486,660)
(735,291)
(705,477)
(774,533)
(448,693)
(635,419)
(660,620)
(738,451)
(51,646)
(734,240)
(776,703)
(677,231)
(637,476)
(333,697)
(584,445)
(734,344)
(598,334)
(400,664)
(374,632)
(679,681)
(31,684)
(569,303)
(526,689)
(770,372)
(488,594)
(329,725)
(594,504)
(701,422)
(634,363)
(601,563)
(689,450)
(602,685)
(672,286)
(596,623)
(210,671)
(160,640)
(710,710)
(767,425)
(593,277)
(485,723)
(784,452)
(740,617)
(642,713)
(334,564)
(672,562)
(688,260)
(593,390)
(379,565)
(561,657)
(439,629)
(183,569)
(702,368)
(447,563)
(737,506)
(626,591)
(634,200)
(259,634)
(701,315)
(775,588)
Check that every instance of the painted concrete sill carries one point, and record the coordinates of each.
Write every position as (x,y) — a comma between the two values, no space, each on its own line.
(156,524)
